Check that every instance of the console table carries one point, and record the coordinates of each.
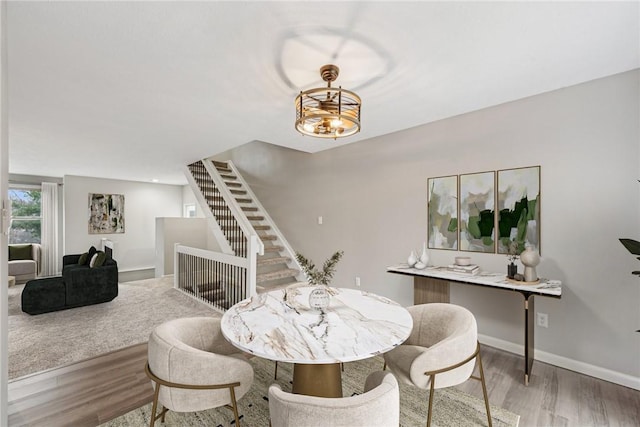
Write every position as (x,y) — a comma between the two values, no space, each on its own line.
(432,285)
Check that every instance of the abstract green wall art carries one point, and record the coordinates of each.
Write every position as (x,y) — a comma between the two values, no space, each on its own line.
(519,208)
(442,212)
(477,212)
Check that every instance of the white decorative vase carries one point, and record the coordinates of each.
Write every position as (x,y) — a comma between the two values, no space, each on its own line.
(319,298)
(412,259)
(530,259)
(424,257)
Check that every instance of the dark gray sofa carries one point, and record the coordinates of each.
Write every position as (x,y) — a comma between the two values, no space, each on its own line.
(78,286)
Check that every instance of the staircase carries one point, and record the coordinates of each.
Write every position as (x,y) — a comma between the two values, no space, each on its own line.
(237,215)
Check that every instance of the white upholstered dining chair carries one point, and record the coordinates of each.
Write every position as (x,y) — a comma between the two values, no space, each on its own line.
(379,406)
(193,368)
(441,351)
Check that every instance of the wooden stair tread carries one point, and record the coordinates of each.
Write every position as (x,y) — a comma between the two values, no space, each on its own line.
(241,200)
(229,177)
(237,192)
(249,209)
(233,184)
(255,218)
(274,260)
(274,275)
(263,238)
(273,248)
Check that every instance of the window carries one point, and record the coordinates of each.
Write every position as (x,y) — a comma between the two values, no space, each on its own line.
(26,216)
(189,210)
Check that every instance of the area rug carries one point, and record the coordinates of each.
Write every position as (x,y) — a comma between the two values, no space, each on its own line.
(451,406)
(56,339)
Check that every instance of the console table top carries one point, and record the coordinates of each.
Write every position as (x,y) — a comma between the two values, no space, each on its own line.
(546,287)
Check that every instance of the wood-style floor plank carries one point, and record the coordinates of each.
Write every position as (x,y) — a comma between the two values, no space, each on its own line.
(82,394)
(94,391)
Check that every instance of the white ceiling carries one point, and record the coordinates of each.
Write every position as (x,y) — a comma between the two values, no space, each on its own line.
(136,90)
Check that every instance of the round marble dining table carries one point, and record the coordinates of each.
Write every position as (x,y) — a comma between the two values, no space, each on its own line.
(280,326)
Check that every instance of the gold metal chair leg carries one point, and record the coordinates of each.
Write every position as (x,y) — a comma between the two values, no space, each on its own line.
(234,405)
(484,388)
(154,407)
(433,380)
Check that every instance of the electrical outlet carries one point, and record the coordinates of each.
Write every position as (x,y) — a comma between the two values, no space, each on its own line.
(357,281)
(319,220)
(543,320)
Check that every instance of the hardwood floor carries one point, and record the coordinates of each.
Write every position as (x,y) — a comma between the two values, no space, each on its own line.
(96,390)
(87,393)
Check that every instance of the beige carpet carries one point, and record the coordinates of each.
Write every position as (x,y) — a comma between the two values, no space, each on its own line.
(451,407)
(55,339)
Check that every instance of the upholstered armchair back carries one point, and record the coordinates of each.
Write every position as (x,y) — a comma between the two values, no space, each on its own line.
(193,351)
(379,405)
(25,261)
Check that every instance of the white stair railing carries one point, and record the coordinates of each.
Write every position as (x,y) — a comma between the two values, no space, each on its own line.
(220,280)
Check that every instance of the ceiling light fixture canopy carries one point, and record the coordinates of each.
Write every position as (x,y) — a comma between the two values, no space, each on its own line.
(328,112)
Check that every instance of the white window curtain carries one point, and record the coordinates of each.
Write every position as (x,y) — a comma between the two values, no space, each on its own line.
(50,255)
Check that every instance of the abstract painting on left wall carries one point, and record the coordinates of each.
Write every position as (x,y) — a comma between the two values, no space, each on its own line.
(442,208)
(106,213)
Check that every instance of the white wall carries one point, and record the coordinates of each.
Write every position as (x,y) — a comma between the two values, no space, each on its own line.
(169,231)
(135,248)
(372,196)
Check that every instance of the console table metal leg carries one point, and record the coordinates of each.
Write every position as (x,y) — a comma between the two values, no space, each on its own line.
(529,325)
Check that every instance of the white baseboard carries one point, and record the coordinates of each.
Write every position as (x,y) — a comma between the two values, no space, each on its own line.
(564,362)
(132,274)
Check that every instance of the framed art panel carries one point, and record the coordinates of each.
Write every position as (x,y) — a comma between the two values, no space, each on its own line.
(106,213)
(442,212)
(477,212)
(519,209)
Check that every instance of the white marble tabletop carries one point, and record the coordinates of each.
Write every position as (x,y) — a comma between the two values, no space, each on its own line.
(546,287)
(356,325)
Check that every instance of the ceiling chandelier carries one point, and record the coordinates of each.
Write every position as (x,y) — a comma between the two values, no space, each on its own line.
(328,112)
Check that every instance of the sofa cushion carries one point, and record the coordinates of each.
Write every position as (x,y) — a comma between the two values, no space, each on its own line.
(83,258)
(21,267)
(98,259)
(92,251)
(20,252)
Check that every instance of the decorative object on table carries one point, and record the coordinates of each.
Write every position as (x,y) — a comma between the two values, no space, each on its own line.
(530,258)
(463,260)
(319,297)
(442,212)
(512,268)
(477,212)
(466,269)
(424,257)
(106,213)
(411,261)
(420,265)
(519,208)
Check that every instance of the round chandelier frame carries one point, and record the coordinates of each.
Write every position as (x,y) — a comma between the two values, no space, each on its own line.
(328,112)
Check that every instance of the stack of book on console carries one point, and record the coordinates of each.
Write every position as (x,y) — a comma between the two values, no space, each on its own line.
(467,269)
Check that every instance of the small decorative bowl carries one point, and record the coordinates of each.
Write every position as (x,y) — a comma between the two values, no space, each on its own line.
(463,260)
(420,265)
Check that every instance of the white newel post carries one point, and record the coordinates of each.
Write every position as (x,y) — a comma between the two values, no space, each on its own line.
(176,268)
(255,245)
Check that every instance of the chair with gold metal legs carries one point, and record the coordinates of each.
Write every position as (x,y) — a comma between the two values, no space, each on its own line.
(193,367)
(441,351)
